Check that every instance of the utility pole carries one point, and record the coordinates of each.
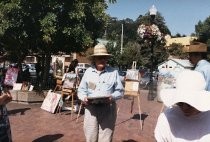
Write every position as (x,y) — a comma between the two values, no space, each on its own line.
(121,49)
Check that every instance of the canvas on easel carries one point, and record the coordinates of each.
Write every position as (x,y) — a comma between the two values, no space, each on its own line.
(133,73)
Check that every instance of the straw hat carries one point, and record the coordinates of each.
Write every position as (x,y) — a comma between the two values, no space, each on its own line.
(100,50)
(196,47)
(190,89)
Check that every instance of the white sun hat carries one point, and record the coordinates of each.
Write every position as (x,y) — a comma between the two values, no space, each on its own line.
(190,89)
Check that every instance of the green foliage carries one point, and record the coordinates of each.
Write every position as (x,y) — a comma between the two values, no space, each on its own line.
(176,50)
(50,27)
(153,49)
(64,26)
(158,20)
(131,52)
(115,51)
(202,30)
(133,47)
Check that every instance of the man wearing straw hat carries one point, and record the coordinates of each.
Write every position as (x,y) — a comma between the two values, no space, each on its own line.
(197,56)
(187,118)
(99,88)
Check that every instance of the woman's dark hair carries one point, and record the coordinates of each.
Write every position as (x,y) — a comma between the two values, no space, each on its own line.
(73,65)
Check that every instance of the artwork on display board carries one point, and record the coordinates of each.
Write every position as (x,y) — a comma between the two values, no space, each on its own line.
(11,76)
(51,101)
(58,64)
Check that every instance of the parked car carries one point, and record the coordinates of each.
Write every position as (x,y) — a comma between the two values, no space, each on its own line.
(145,80)
(81,73)
(32,68)
(82,67)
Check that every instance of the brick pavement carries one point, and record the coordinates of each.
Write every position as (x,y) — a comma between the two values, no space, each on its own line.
(29,123)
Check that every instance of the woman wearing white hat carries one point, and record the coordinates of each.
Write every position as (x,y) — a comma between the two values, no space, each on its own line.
(187,118)
(99,88)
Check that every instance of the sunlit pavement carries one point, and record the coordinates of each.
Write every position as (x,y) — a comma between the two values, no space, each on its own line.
(29,123)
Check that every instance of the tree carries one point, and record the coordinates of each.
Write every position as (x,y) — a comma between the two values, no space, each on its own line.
(50,27)
(202,30)
(131,52)
(159,50)
(176,50)
(111,48)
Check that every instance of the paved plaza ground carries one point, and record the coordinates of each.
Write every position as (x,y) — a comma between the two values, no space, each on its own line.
(29,123)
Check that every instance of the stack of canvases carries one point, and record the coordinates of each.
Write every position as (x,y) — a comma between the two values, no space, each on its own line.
(132,81)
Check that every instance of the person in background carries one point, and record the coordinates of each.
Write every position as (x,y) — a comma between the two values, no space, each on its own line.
(38,69)
(26,76)
(99,89)
(5,130)
(72,69)
(73,66)
(198,57)
(187,118)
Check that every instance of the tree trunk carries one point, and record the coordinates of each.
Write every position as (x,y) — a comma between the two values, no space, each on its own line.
(45,70)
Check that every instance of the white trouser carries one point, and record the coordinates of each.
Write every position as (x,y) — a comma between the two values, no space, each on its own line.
(99,122)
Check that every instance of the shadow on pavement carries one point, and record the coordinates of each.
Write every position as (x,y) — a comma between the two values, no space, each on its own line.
(130,140)
(48,138)
(135,116)
(15,111)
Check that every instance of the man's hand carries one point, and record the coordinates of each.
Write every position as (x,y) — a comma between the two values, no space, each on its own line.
(85,101)
(110,99)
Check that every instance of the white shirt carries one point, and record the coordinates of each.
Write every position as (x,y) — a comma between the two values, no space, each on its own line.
(173,126)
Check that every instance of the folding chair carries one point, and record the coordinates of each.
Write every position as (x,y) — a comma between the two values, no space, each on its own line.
(59,84)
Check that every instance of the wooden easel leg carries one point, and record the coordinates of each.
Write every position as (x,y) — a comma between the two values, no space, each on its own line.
(140,121)
(56,111)
(118,109)
(72,105)
(132,102)
(80,107)
(55,88)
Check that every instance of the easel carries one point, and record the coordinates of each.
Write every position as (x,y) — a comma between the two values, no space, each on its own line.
(69,90)
(132,88)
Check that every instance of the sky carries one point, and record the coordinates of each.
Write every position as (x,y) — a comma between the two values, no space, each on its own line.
(180,16)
